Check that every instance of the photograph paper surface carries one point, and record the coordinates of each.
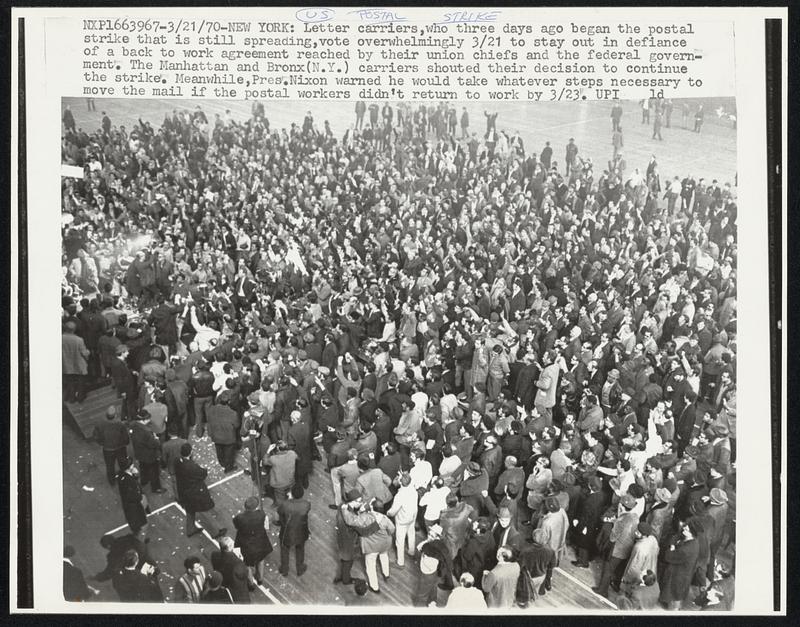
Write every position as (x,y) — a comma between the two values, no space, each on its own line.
(397,310)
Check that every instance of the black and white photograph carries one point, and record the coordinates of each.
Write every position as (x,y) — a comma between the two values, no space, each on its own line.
(390,353)
(399,312)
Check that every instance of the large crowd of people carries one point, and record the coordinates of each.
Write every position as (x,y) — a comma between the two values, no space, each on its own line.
(497,355)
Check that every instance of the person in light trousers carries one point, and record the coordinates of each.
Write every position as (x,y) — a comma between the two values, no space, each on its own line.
(375,545)
(404,512)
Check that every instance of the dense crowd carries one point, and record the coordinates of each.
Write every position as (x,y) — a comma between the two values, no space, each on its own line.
(505,352)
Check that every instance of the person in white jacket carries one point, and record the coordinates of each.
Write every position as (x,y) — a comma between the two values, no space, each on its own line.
(466,596)
(404,511)
(206,337)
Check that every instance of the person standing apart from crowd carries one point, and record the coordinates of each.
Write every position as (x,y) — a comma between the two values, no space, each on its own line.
(698,118)
(361,109)
(130,493)
(617,140)
(616,116)
(68,119)
(251,537)
(193,494)
(293,514)
(657,126)
(571,155)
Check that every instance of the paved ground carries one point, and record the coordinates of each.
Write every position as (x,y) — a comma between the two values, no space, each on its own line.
(710,154)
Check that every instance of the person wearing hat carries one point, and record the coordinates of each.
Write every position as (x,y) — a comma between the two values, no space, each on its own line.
(587,521)
(113,438)
(474,483)
(147,450)
(659,516)
(717,509)
(555,524)
(644,556)
(216,593)
(622,539)
(512,479)
(251,537)
(504,531)
(74,364)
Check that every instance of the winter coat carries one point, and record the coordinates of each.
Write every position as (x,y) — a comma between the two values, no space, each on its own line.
(193,494)
(456,522)
(589,514)
(681,559)
(251,536)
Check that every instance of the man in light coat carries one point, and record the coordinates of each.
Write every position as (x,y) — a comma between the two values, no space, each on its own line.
(644,555)
(500,583)
(404,511)
(547,386)
(555,524)
(74,364)
(622,537)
